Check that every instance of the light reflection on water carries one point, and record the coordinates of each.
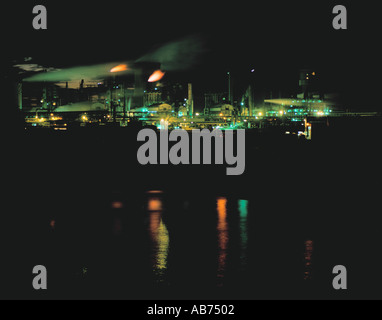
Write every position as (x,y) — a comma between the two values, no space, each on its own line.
(308,259)
(230,217)
(159,237)
(154,204)
(243,211)
(222,228)
(205,242)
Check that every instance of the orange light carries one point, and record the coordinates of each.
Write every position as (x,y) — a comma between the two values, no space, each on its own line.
(222,229)
(156,76)
(154,191)
(154,204)
(117,205)
(120,68)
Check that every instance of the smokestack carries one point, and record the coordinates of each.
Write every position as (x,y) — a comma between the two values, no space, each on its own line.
(109,96)
(251,101)
(44,97)
(229,88)
(127,99)
(190,101)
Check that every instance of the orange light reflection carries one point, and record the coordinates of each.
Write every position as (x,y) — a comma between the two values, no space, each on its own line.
(222,228)
(154,204)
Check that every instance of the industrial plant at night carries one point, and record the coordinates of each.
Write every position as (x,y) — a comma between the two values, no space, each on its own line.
(178,151)
(138,93)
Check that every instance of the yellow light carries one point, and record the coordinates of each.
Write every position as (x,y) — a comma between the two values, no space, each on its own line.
(260,114)
(221,114)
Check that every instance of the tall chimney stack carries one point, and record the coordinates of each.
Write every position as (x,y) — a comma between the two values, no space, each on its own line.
(190,101)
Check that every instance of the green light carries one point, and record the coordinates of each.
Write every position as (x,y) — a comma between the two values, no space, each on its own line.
(243,208)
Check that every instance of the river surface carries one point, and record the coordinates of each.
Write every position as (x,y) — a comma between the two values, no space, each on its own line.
(157,245)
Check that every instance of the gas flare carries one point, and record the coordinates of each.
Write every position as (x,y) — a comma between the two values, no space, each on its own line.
(156,76)
(119,68)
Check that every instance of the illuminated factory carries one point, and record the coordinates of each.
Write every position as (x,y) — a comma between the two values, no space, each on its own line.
(125,93)
(309,103)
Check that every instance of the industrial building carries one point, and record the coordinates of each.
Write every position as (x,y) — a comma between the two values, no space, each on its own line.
(138,93)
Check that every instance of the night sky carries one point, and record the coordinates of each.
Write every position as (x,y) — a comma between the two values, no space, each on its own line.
(276,39)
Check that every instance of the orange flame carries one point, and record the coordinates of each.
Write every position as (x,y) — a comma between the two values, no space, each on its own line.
(120,68)
(156,76)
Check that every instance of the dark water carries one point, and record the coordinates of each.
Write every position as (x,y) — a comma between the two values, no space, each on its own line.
(106,228)
(156,245)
